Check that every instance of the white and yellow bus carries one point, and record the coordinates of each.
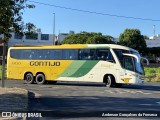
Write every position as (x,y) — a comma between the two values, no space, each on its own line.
(111,64)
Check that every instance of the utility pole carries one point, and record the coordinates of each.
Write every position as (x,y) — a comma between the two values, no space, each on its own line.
(3,64)
(54,28)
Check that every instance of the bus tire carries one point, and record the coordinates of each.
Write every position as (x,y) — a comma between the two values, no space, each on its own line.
(28,78)
(40,78)
(109,82)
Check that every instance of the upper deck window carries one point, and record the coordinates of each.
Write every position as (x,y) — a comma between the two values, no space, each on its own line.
(32,36)
(18,36)
(62,54)
(44,36)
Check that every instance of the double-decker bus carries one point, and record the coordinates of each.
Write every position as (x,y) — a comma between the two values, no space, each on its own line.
(111,64)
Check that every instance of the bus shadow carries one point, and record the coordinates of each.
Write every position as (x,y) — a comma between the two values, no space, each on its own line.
(93,106)
(150,87)
(85,84)
(143,87)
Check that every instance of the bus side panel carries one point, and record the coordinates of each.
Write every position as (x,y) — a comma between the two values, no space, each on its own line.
(52,69)
(17,69)
(77,70)
(95,74)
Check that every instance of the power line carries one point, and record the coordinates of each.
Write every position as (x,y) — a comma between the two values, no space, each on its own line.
(93,12)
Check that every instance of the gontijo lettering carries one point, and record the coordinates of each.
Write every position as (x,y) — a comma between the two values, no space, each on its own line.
(44,63)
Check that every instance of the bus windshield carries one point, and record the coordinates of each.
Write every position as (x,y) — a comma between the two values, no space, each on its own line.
(130,61)
(138,64)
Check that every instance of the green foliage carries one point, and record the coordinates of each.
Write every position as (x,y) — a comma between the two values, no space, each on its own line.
(88,38)
(152,74)
(1,72)
(11,17)
(154,50)
(133,38)
(152,71)
(145,37)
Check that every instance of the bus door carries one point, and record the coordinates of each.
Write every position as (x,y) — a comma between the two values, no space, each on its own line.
(127,75)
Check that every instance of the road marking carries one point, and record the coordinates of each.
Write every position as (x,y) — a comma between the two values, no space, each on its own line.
(146,104)
(147,93)
(158,102)
(127,91)
(110,91)
(143,92)
(139,91)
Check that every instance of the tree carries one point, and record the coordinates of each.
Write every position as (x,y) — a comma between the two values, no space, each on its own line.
(11,12)
(88,38)
(101,40)
(11,17)
(133,38)
(145,37)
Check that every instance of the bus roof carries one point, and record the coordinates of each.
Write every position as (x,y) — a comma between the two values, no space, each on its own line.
(72,46)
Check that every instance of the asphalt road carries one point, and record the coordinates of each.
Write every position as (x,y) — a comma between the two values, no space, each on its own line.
(71,99)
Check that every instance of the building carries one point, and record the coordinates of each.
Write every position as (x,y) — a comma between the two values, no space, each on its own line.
(35,39)
(61,37)
(153,43)
(155,37)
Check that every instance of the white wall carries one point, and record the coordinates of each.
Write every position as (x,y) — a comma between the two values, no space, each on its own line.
(62,36)
(13,41)
(153,43)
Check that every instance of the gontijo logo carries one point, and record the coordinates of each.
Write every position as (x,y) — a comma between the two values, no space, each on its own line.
(44,63)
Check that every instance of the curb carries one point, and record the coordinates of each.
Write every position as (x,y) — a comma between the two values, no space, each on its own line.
(14,99)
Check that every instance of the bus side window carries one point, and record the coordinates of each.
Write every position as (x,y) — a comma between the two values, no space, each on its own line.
(92,54)
(40,54)
(15,54)
(73,54)
(87,54)
(101,54)
(57,54)
(119,55)
(50,54)
(66,54)
(80,54)
(128,63)
(27,54)
(104,54)
(45,54)
(70,54)
(32,55)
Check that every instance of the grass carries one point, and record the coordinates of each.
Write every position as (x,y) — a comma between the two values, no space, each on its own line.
(1,73)
(152,74)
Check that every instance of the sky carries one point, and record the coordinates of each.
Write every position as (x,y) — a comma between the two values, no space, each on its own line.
(70,20)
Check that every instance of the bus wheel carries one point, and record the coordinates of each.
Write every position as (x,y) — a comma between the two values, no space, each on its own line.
(109,81)
(40,79)
(29,79)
